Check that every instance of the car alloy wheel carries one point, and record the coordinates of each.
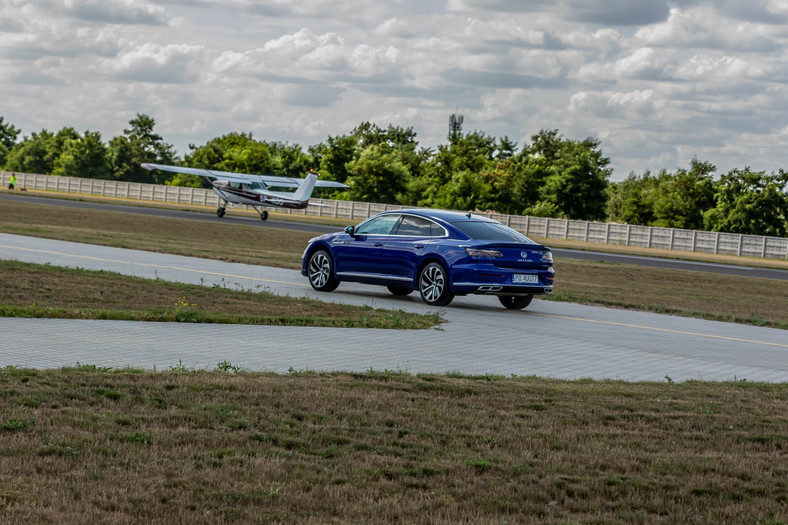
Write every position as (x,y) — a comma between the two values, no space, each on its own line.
(434,285)
(320,272)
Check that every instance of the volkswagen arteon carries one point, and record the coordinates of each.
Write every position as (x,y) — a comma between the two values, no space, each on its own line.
(442,254)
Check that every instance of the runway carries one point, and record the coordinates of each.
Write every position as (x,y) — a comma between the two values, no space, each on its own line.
(549,339)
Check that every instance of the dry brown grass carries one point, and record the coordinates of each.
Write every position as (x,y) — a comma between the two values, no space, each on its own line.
(699,294)
(106,446)
(665,254)
(247,244)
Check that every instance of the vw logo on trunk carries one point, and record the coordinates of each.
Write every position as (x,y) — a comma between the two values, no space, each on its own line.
(524,254)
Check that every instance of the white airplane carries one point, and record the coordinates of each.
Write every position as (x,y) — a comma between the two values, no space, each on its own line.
(237,189)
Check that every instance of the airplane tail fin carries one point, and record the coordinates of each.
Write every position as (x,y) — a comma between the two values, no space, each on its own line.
(304,191)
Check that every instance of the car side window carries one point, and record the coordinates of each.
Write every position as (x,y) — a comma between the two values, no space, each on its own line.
(414,226)
(436,230)
(378,226)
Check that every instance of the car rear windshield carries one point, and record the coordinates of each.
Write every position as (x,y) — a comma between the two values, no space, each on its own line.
(490,231)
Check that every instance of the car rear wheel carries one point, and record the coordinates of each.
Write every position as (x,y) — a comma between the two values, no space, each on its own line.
(434,285)
(515,302)
(320,271)
(399,290)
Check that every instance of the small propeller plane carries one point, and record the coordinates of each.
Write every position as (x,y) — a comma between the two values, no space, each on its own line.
(238,189)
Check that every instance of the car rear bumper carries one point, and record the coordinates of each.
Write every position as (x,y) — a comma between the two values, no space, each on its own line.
(501,289)
(491,280)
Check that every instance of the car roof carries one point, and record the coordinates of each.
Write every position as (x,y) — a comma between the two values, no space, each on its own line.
(444,215)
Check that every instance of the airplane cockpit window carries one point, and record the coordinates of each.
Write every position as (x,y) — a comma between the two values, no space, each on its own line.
(235,185)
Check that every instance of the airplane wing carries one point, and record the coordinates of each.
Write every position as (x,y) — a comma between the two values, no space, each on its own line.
(267,180)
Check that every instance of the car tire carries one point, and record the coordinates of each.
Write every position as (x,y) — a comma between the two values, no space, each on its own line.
(399,290)
(434,285)
(320,271)
(515,302)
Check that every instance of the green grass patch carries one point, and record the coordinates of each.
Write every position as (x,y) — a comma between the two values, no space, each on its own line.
(37,291)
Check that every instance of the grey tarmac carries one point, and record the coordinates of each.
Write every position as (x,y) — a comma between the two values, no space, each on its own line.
(549,339)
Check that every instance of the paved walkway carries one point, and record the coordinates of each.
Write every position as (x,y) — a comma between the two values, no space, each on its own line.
(549,339)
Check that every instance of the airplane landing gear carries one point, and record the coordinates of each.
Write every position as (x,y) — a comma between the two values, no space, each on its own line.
(220,211)
(263,215)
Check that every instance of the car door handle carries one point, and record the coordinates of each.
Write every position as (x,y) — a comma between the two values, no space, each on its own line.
(419,246)
(378,244)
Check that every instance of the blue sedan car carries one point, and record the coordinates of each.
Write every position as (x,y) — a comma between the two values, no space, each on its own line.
(441,254)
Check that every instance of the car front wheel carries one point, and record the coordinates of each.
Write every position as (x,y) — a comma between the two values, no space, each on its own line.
(434,285)
(320,271)
(515,302)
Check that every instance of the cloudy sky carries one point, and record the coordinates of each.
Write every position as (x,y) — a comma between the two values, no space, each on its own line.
(657,82)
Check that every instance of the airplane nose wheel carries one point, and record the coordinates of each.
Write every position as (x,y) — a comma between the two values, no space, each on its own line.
(220,212)
(264,215)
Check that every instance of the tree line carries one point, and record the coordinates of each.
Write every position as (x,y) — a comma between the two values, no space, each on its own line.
(552,176)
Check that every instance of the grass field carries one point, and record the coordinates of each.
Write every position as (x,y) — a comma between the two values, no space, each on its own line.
(89,445)
(678,292)
(92,445)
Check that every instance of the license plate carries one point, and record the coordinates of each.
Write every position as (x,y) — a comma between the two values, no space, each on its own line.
(525,278)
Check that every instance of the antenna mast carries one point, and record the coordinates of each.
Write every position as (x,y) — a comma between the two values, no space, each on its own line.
(455,126)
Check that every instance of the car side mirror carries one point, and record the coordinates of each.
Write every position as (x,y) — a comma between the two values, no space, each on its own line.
(350,230)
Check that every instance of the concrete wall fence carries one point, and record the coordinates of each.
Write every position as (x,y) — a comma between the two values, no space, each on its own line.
(587,231)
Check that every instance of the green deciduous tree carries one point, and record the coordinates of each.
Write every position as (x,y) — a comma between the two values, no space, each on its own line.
(137,145)
(572,176)
(37,153)
(234,152)
(289,160)
(631,201)
(8,134)
(378,175)
(448,171)
(85,156)
(750,202)
(681,198)
(333,156)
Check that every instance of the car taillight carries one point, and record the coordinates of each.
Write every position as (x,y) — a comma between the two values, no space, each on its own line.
(547,257)
(483,254)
